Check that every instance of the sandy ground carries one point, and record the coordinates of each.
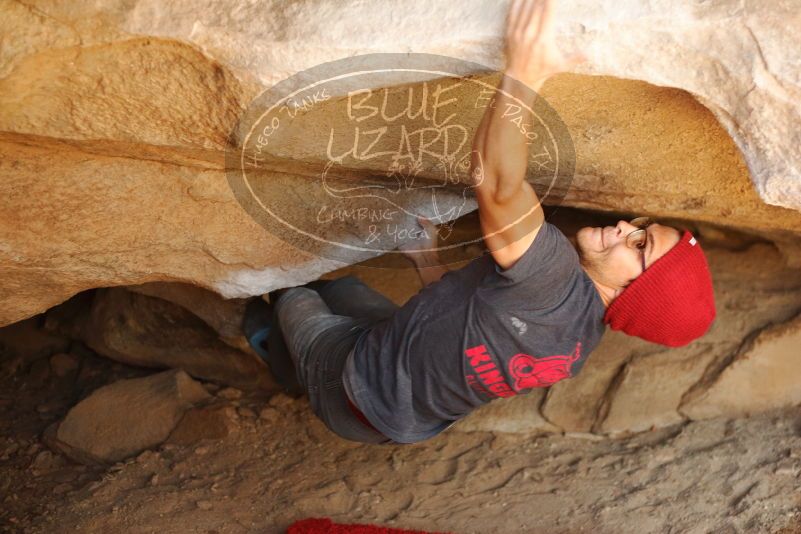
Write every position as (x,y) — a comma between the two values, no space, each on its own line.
(281,464)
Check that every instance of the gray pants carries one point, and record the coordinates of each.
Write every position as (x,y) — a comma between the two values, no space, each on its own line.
(320,329)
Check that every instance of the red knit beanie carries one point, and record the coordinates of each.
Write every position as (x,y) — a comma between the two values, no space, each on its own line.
(672,302)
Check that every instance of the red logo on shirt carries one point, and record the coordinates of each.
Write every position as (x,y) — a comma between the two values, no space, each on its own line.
(488,378)
(531,372)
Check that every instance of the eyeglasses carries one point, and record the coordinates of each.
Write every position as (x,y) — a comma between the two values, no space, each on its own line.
(639,237)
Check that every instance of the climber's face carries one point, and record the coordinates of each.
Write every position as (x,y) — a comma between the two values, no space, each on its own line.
(615,261)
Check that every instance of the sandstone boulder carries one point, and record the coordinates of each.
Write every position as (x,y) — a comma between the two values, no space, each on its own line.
(124,418)
(27,341)
(762,376)
(207,422)
(63,364)
(519,415)
(647,392)
(223,315)
(573,405)
(736,59)
(150,332)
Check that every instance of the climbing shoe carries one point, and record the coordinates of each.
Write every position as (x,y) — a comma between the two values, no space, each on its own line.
(260,326)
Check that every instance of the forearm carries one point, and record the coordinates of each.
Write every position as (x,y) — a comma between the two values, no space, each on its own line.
(499,144)
(429,268)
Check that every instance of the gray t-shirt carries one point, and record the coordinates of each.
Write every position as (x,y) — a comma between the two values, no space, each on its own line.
(477,334)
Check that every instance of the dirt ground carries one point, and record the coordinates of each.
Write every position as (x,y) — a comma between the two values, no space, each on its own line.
(280,464)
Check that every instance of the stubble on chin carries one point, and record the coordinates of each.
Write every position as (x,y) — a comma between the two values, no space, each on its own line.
(582,254)
(586,257)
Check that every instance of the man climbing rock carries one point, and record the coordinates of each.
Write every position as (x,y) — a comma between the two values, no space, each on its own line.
(524,316)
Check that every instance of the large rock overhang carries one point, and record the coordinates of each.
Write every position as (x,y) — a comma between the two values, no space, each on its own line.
(114,124)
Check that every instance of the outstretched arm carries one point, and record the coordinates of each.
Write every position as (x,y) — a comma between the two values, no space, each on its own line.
(429,268)
(423,253)
(509,210)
